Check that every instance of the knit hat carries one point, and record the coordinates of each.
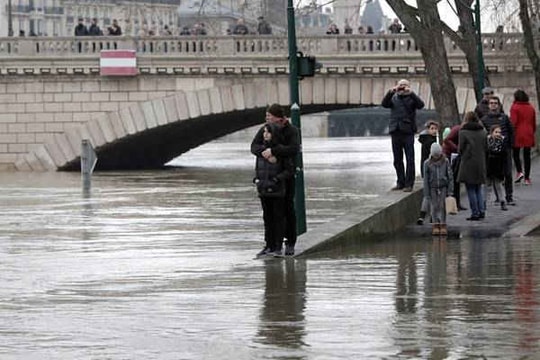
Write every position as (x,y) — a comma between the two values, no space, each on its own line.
(435,149)
(445,132)
(276,110)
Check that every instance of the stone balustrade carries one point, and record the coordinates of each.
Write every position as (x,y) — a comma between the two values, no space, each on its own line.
(226,46)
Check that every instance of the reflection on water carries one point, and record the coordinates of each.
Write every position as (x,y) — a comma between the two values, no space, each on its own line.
(159,265)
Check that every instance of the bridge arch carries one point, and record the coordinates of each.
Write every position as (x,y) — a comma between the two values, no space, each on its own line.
(147,135)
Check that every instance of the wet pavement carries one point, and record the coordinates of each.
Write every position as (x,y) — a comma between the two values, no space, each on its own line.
(159,265)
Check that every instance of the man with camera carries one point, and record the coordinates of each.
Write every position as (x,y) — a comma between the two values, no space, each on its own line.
(403,103)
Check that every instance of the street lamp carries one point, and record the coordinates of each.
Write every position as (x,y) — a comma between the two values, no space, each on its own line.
(479,50)
(10,19)
(299,200)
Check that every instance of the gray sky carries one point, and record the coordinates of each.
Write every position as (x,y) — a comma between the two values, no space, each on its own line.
(446,12)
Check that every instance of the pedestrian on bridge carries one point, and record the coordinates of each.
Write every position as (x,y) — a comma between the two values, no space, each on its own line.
(287,149)
(403,103)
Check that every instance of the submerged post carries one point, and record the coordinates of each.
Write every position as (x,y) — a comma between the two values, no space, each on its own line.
(299,200)
(88,163)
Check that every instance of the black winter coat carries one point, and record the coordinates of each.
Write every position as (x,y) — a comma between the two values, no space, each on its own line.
(507,129)
(403,111)
(426,140)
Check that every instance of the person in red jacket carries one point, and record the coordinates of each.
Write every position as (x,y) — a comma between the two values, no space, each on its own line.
(523,117)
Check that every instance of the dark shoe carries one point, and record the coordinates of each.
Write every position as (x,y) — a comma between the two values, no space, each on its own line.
(420,221)
(482,215)
(473,218)
(289,250)
(407,189)
(263,252)
(511,202)
(503,206)
(396,188)
(276,253)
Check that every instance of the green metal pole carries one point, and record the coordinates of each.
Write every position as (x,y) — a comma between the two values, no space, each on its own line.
(300,199)
(479,49)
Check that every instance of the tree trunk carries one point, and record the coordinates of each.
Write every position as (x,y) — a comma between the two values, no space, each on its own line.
(528,38)
(424,25)
(465,39)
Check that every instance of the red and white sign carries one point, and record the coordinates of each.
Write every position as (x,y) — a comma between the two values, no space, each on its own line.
(118,63)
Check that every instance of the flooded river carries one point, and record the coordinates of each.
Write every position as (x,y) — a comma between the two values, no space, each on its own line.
(159,265)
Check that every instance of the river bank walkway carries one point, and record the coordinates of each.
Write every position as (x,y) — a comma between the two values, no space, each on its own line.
(396,211)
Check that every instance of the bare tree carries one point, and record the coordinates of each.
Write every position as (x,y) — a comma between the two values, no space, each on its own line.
(528,37)
(425,26)
(465,39)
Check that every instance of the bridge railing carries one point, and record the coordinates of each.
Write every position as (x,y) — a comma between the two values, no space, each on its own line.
(219,46)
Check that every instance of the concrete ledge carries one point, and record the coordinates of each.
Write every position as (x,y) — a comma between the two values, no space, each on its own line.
(388,214)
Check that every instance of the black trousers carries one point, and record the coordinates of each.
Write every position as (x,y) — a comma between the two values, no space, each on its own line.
(508,181)
(274,221)
(403,143)
(526,160)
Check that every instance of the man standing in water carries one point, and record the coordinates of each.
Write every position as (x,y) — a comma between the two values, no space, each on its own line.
(403,103)
(288,149)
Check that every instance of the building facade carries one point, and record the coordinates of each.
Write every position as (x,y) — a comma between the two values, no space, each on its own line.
(59,17)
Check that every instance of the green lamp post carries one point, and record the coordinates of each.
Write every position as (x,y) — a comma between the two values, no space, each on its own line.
(300,200)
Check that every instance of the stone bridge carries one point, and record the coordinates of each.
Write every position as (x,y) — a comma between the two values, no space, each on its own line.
(195,89)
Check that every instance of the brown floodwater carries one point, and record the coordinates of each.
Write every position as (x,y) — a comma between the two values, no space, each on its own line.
(159,265)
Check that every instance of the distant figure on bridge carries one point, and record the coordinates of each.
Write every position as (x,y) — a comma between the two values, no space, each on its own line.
(523,117)
(240,28)
(264,27)
(472,168)
(438,184)
(287,150)
(395,27)
(115,29)
(94,29)
(427,137)
(185,31)
(347,30)
(80,29)
(403,103)
(271,175)
(332,30)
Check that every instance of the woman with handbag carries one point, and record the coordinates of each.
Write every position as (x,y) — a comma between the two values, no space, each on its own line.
(472,168)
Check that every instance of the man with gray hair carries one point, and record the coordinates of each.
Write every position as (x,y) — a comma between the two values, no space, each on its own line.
(403,103)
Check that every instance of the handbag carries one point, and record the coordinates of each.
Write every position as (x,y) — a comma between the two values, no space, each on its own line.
(451,205)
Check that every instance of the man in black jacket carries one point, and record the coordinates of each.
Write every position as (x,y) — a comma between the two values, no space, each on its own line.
(403,103)
(287,150)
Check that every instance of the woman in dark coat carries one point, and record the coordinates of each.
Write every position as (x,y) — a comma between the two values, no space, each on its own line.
(523,118)
(472,167)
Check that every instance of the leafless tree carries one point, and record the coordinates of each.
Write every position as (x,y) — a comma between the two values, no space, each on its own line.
(529,30)
(425,26)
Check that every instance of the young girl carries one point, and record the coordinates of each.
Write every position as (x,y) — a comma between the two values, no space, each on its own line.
(438,184)
(495,163)
(270,177)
